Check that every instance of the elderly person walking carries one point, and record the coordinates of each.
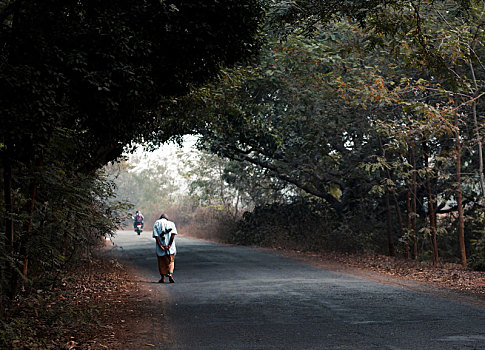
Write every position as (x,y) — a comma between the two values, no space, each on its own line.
(164,232)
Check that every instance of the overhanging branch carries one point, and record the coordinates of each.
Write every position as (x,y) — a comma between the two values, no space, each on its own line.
(243,156)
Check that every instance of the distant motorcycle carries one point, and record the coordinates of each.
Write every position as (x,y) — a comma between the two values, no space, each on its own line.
(138,229)
(138,226)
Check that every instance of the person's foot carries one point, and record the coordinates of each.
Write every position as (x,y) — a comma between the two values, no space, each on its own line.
(170,278)
(162,280)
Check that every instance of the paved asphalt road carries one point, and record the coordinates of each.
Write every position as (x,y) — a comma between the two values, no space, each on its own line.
(229,297)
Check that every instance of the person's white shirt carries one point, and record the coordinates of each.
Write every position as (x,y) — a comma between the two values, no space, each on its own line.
(161,230)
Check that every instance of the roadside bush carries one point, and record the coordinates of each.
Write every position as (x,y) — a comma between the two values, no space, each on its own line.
(72,216)
(211,223)
(304,225)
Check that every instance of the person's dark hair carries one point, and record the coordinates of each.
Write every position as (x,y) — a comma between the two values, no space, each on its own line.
(163,216)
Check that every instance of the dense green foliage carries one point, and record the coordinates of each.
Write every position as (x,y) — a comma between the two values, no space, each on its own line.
(80,81)
(380,115)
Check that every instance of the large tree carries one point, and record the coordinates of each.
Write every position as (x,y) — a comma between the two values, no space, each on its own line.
(81,79)
(369,112)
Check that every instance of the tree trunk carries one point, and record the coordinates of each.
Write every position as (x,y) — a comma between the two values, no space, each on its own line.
(221,187)
(408,222)
(65,237)
(477,130)
(480,149)
(398,212)
(414,207)
(390,234)
(415,223)
(459,196)
(390,238)
(11,239)
(236,207)
(24,247)
(9,273)
(7,194)
(24,243)
(431,212)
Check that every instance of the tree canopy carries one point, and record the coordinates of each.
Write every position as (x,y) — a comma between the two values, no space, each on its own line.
(83,79)
(107,69)
(378,111)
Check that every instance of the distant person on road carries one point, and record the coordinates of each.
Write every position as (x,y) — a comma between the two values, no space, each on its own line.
(138,219)
(164,232)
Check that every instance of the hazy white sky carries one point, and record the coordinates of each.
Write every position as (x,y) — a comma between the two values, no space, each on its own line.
(169,156)
(165,154)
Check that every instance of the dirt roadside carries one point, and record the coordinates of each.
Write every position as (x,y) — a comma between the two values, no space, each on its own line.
(99,306)
(449,276)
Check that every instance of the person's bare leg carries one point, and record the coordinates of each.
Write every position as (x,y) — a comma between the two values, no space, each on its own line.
(160,269)
(170,268)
